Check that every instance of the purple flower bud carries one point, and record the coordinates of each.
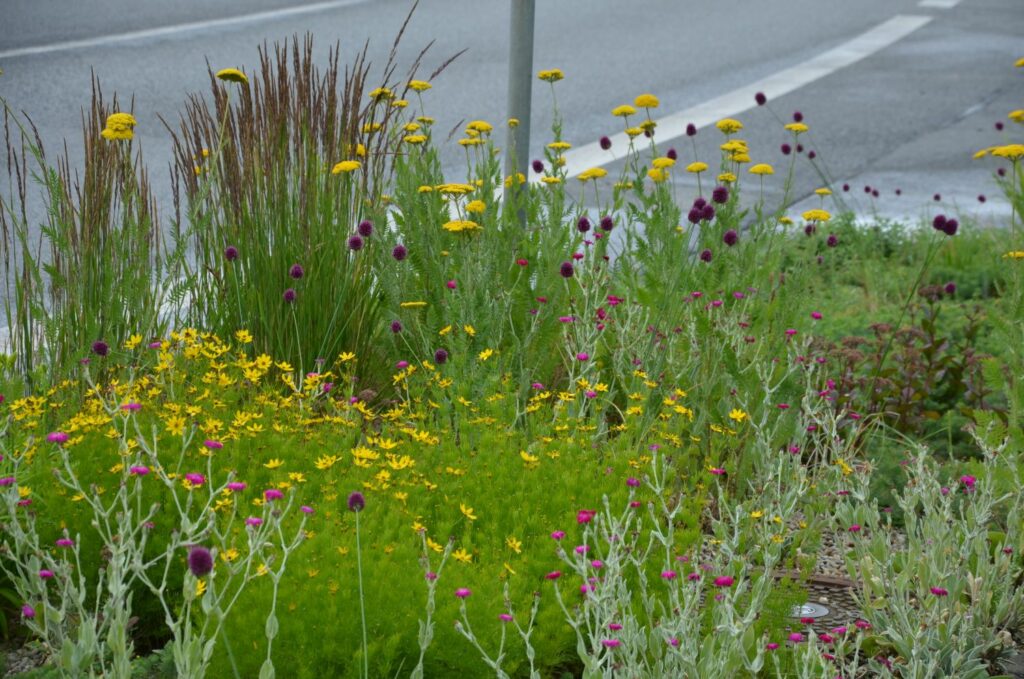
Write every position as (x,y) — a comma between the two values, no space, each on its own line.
(289,295)
(399,253)
(672,154)
(100,348)
(606,143)
(566,270)
(950,288)
(760,99)
(57,437)
(200,561)
(694,215)
(583,225)
(231,253)
(365,228)
(707,213)
(832,240)
(705,256)
(691,130)
(441,356)
(951,227)
(937,197)
(846,187)
(28,611)
(606,223)
(720,195)
(355,242)
(296,271)
(798,117)
(786,149)
(538,166)
(730,238)
(356,502)
(396,326)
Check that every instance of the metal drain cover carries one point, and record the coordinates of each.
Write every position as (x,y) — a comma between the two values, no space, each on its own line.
(809,610)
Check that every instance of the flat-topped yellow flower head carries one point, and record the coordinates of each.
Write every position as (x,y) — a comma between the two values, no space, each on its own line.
(646,101)
(232,75)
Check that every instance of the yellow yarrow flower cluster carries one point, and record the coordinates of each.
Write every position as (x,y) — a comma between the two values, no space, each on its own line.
(460,225)
(729,125)
(762,169)
(593,173)
(232,75)
(119,127)
(623,111)
(346,166)
(551,75)
(419,85)
(817,215)
(646,101)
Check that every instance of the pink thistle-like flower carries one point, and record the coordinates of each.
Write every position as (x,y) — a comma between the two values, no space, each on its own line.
(839,631)
(855,528)
(254,521)
(668,575)
(724,581)
(558,535)
(46,574)
(582,549)
(632,482)
(939,591)
(553,575)
(28,611)
(783,406)
(590,393)
(717,471)
(195,479)
(816,315)
(505,617)
(597,564)
(306,509)
(583,356)
(771,645)
(692,577)
(65,542)
(7,481)
(131,407)
(451,285)
(139,470)
(825,638)
(611,643)
(212,444)
(57,437)
(614,626)
(968,481)
(272,494)
(431,576)
(236,486)
(585,515)
(862,624)
(463,593)
(796,637)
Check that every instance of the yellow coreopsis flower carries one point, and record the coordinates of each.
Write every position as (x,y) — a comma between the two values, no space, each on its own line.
(243,336)
(656,175)
(273,464)
(467,512)
(514,544)
(462,556)
(737,415)
(459,225)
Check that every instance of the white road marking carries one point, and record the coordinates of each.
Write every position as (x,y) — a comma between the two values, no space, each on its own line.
(164,31)
(741,99)
(940,4)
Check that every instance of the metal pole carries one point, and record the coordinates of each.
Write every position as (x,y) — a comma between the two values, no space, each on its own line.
(520,92)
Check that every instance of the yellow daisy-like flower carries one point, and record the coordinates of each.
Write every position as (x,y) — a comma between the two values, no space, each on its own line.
(518,178)
(823,191)
(797,127)
(415,139)
(119,127)
(697,167)
(462,556)
(479,126)
(785,220)
(552,75)
(1014,254)
(455,189)
(727,177)
(983,152)
(232,75)
(740,158)
(646,101)
(662,163)
(729,125)
(762,169)
(459,225)
(593,173)
(623,111)
(737,415)
(425,189)
(817,215)
(467,511)
(419,85)
(399,103)
(657,175)
(559,146)
(486,354)
(346,166)
(1012,152)
(273,464)
(476,206)
(243,336)
(413,305)
(514,544)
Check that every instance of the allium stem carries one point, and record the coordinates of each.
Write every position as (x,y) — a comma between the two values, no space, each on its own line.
(362,603)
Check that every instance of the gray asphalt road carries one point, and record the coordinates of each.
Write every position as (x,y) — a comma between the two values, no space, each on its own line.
(908,116)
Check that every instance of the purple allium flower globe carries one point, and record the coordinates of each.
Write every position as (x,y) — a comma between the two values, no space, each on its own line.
(396,326)
(798,117)
(950,288)
(231,253)
(289,295)
(707,213)
(799,148)
(672,154)
(441,356)
(951,226)
(705,256)
(355,242)
(999,125)
(356,502)
(832,241)
(566,270)
(365,228)
(399,252)
(538,166)
(100,348)
(583,225)
(694,215)
(720,195)
(691,130)
(760,99)
(296,271)
(786,149)
(200,561)
(606,143)
(730,238)
(607,224)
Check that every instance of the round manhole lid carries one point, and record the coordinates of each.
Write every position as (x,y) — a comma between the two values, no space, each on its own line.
(809,610)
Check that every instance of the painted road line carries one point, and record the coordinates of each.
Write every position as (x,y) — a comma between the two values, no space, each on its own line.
(175,29)
(741,99)
(940,4)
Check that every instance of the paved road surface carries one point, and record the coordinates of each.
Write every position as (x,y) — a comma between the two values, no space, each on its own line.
(907,116)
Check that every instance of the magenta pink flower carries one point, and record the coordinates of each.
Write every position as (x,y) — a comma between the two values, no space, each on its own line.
(431,576)
(855,528)
(796,637)
(939,591)
(558,535)
(139,470)
(463,593)
(65,542)
(632,482)
(582,549)
(451,285)
(28,611)
(717,471)
(273,494)
(7,481)
(673,642)
(585,515)
(668,575)
(505,617)
(236,486)
(132,407)
(816,315)
(553,575)
(692,577)
(724,581)
(45,574)
(611,643)
(614,626)
(968,481)
(771,646)
(597,564)
(195,479)
(583,356)
(57,437)
(254,521)
(212,444)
